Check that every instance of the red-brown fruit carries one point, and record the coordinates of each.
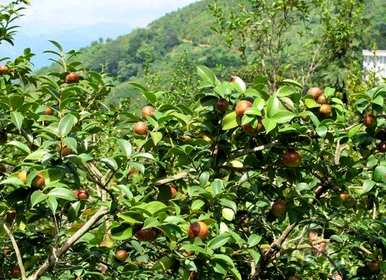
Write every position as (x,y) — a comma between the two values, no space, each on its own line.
(322,99)
(344,196)
(242,106)
(325,110)
(4,69)
(11,216)
(222,105)
(148,111)
(369,120)
(313,236)
(374,266)
(147,234)
(64,150)
(140,128)
(16,272)
(279,208)
(121,255)
(48,111)
(382,147)
(291,158)
(173,192)
(198,229)
(315,92)
(82,195)
(72,78)
(39,181)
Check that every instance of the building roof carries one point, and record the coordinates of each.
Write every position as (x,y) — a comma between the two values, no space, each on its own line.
(374,53)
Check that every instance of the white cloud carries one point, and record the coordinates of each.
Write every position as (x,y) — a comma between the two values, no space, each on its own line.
(46,15)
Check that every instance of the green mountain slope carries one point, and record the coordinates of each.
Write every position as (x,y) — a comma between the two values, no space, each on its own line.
(185,38)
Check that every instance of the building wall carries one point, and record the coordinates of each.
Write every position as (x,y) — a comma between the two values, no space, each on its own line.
(375,62)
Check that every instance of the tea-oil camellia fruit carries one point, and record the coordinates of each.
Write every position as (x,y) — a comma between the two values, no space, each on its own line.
(198,229)
(82,195)
(121,255)
(39,180)
(222,105)
(291,158)
(72,78)
(325,110)
(279,208)
(148,111)
(242,106)
(147,234)
(369,120)
(140,128)
(315,92)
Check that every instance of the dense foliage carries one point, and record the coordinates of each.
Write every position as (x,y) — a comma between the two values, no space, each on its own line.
(243,182)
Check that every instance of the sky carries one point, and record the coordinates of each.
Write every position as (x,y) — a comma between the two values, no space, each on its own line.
(76,23)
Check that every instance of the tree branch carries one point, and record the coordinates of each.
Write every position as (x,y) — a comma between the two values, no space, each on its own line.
(168,180)
(17,251)
(276,244)
(68,244)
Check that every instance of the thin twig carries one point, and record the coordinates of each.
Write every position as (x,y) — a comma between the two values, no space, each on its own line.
(170,179)
(68,244)
(17,251)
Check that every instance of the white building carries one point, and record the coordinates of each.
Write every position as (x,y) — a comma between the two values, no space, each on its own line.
(375,62)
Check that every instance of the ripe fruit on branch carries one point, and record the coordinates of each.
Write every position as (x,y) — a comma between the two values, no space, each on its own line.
(11,216)
(322,99)
(369,120)
(140,128)
(72,78)
(39,181)
(315,92)
(148,111)
(121,255)
(325,110)
(374,266)
(64,150)
(48,111)
(382,147)
(344,196)
(279,208)
(198,229)
(147,234)
(242,106)
(82,195)
(291,158)
(222,105)
(16,272)
(4,69)
(313,236)
(237,80)
(22,175)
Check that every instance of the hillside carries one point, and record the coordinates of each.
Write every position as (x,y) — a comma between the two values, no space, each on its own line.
(185,38)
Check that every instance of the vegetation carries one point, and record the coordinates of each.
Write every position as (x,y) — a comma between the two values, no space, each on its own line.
(270,179)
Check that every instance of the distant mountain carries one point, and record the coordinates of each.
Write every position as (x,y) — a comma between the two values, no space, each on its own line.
(70,39)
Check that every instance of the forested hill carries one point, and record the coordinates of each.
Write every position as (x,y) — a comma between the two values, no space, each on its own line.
(182,35)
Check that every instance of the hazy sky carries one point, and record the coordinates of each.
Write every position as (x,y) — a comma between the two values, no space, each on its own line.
(76,23)
(45,16)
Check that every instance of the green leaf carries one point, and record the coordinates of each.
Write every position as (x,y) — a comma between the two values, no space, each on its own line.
(321,131)
(204,178)
(253,240)
(197,204)
(12,181)
(230,121)
(21,146)
(228,214)
(37,197)
(125,147)
(17,119)
(379,174)
(62,193)
(153,207)
(156,137)
(273,106)
(66,124)
(207,76)
(367,186)
(110,163)
(311,103)
(39,155)
(52,203)
(283,116)
(269,124)
(218,241)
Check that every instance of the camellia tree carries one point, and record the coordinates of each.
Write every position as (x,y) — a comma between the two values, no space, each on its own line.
(243,184)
